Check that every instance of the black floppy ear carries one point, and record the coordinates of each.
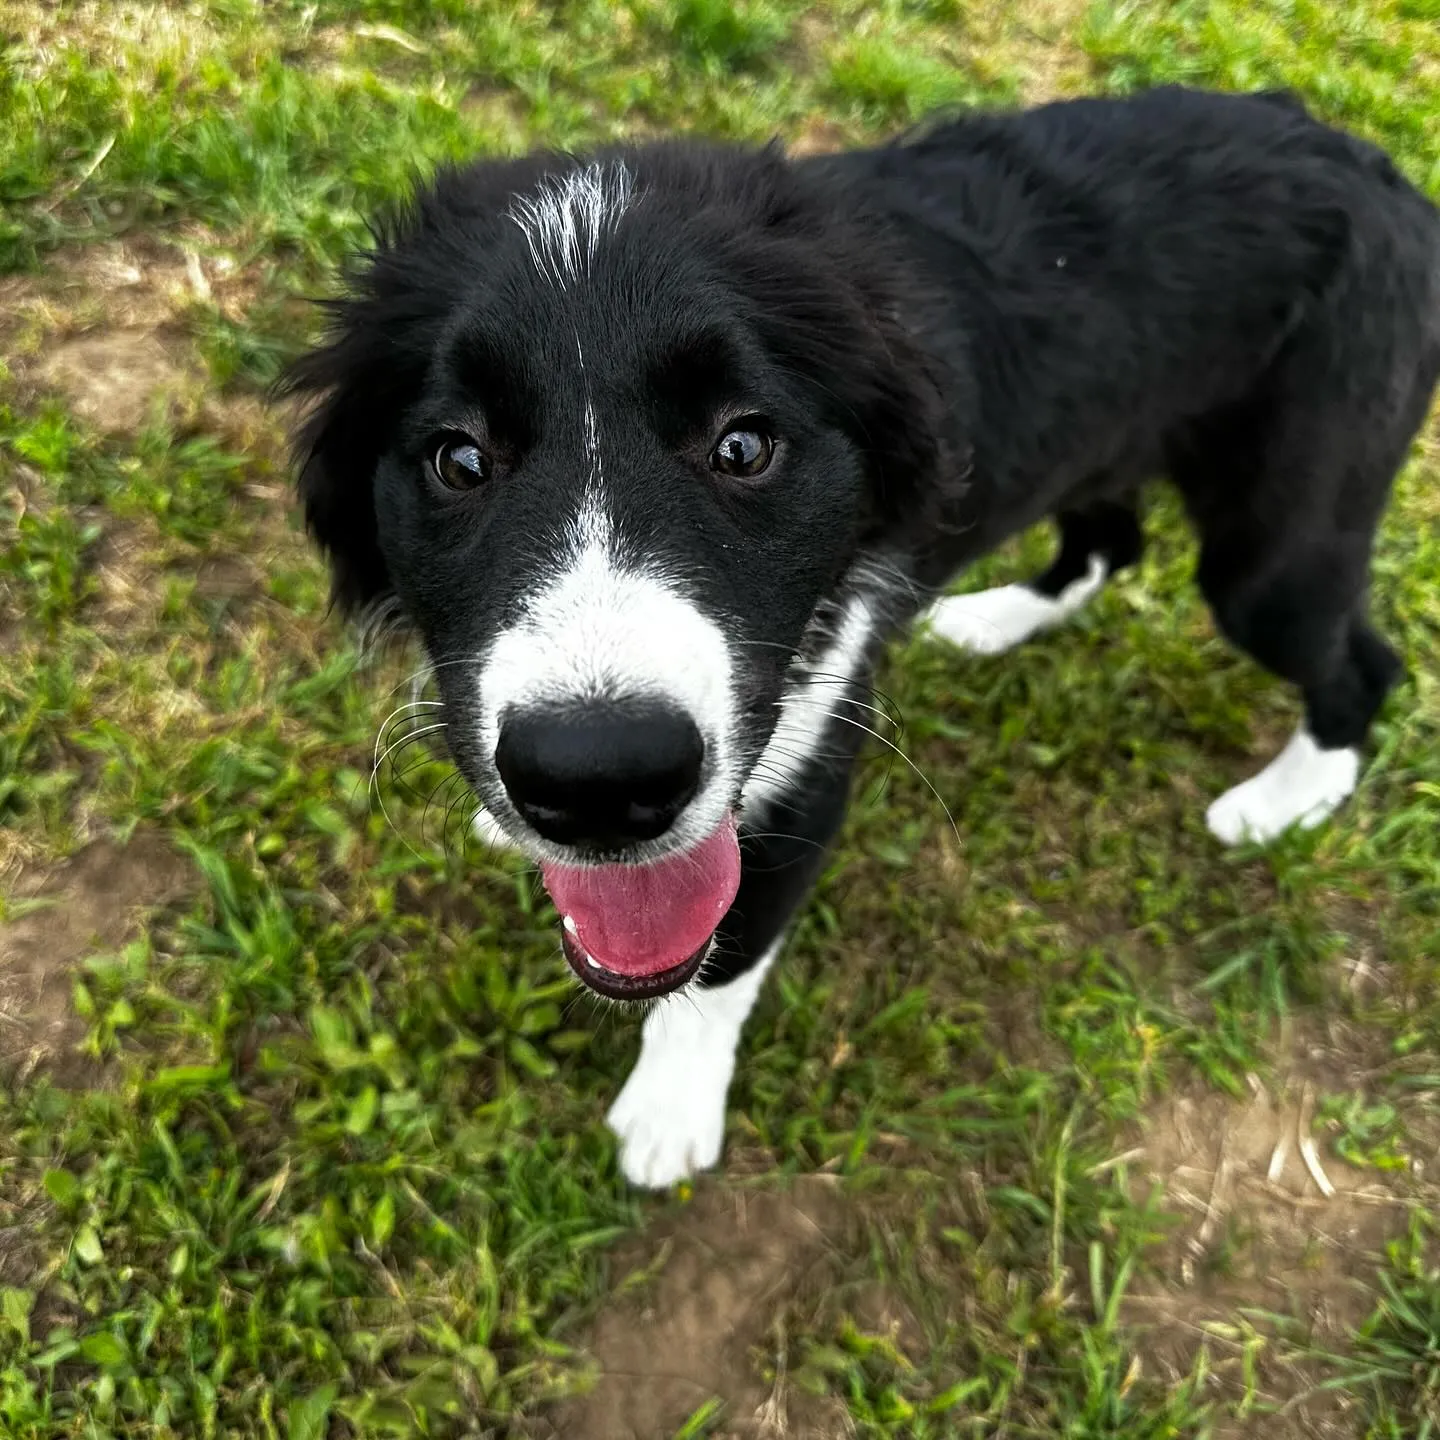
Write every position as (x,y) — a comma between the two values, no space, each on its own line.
(832,308)
(369,368)
(372,364)
(336,449)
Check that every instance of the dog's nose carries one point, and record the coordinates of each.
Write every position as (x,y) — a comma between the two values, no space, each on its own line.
(603,775)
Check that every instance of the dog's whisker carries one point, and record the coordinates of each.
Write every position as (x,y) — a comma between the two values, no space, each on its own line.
(427,671)
(890,744)
(859,704)
(449,781)
(402,715)
(408,742)
(380,758)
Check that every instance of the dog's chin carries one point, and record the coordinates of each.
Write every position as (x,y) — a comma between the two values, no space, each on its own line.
(615,986)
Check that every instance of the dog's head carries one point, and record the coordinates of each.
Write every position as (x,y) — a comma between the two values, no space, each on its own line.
(614,433)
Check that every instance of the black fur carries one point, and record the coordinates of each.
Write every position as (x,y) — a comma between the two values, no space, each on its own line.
(1005,318)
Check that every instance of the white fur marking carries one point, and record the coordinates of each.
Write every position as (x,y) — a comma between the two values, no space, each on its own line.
(990,622)
(600,631)
(816,691)
(1302,786)
(564,219)
(591,527)
(670,1115)
(488,832)
(592,441)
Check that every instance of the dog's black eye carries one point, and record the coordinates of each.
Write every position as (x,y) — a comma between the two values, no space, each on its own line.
(742,452)
(459,463)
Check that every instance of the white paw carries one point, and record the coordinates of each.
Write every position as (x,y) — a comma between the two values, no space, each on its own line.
(990,622)
(670,1117)
(1302,786)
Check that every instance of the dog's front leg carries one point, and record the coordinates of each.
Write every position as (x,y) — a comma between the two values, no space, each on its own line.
(670,1116)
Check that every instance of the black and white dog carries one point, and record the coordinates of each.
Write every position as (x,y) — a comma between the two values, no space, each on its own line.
(655,448)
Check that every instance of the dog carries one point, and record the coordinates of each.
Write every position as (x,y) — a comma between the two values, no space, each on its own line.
(657,446)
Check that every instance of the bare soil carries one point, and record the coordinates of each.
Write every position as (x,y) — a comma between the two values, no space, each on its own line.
(95,901)
(1277,1244)
(115,380)
(727,1269)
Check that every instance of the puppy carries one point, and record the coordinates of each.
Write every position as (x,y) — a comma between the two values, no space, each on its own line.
(655,448)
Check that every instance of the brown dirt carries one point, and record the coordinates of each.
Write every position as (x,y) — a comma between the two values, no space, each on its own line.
(228,577)
(731,1266)
(1261,1237)
(114,380)
(93,902)
(135,285)
(818,136)
(127,599)
(105,326)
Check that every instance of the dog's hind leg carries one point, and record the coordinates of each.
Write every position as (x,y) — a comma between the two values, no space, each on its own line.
(1287,494)
(1287,491)
(1300,612)
(1094,543)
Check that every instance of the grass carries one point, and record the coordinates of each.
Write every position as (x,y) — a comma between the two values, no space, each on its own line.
(314,1149)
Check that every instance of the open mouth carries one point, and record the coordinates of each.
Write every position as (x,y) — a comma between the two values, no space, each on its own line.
(632,932)
(618,986)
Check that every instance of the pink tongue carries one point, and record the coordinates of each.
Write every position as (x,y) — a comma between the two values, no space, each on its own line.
(642,919)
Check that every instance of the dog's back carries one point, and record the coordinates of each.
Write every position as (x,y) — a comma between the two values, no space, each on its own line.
(1215,289)
(1108,270)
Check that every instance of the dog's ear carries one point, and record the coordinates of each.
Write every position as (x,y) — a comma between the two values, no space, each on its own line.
(835,309)
(359,380)
(336,449)
(373,361)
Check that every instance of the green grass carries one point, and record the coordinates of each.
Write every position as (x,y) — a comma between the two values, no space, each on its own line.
(331,1161)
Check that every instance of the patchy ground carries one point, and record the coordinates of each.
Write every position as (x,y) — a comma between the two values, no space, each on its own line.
(1062,1123)
(702,1316)
(1276,1248)
(98,900)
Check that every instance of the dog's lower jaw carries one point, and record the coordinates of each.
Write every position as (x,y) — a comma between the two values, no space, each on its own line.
(670,1115)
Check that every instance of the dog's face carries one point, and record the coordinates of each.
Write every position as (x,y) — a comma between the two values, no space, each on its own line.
(614,434)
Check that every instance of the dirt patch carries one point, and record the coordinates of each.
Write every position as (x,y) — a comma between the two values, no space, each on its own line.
(108,326)
(818,136)
(93,902)
(227,577)
(1275,1233)
(127,286)
(730,1267)
(114,380)
(127,599)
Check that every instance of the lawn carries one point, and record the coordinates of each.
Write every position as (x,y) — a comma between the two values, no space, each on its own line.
(1059,1121)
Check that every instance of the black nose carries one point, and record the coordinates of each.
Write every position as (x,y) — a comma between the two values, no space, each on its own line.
(602,775)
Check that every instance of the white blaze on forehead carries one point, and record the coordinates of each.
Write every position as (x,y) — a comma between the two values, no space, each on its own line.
(596,628)
(565,216)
